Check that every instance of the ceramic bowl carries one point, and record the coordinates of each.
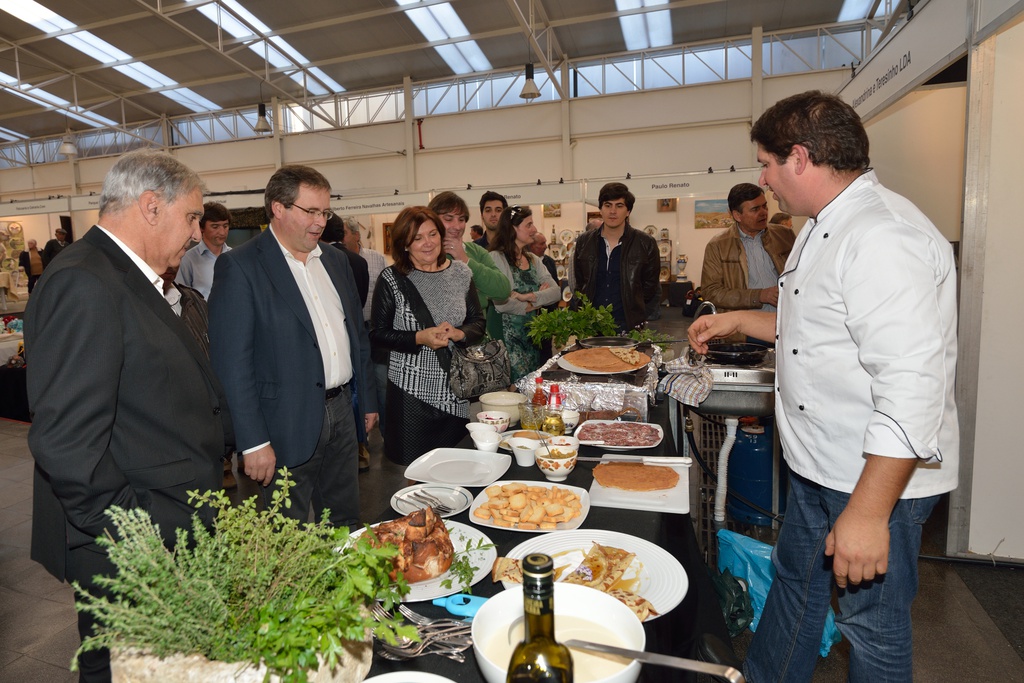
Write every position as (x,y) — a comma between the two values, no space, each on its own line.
(556,462)
(474,427)
(503,401)
(570,418)
(522,449)
(491,632)
(486,441)
(499,418)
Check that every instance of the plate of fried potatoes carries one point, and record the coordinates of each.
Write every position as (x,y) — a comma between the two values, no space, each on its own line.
(530,506)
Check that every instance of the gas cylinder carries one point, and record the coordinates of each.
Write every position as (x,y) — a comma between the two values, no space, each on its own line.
(750,472)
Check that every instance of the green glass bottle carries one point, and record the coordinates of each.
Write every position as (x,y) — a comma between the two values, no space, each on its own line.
(539,658)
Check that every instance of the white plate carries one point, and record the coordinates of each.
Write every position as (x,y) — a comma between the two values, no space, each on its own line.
(408,677)
(462,466)
(561,526)
(503,444)
(661,434)
(675,499)
(455,497)
(483,560)
(566,365)
(567,236)
(661,579)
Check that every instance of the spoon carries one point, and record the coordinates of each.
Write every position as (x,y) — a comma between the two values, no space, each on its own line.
(727,672)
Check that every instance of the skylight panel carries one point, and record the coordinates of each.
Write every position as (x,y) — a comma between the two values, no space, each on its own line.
(37,95)
(103,52)
(441,22)
(854,9)
(647,30)
(10,136)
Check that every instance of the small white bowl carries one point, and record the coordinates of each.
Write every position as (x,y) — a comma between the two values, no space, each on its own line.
(486,441)
(570,418)
(523,450)
(499,418)
(564,443)
(474,427)
(496,615)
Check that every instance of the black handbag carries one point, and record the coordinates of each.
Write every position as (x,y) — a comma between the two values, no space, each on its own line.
(472,370)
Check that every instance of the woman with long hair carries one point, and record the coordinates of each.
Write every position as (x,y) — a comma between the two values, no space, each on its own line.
(421,305)
(532,286)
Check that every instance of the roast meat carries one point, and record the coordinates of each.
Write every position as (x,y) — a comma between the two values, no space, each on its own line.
(425,549)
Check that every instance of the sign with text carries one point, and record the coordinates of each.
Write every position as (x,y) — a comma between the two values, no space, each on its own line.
(347,206)
(85,203)
(549,193)
(30,207)
(699,184)
(922,47)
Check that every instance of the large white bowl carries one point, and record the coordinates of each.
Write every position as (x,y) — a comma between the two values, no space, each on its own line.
(499,612)
(506,401)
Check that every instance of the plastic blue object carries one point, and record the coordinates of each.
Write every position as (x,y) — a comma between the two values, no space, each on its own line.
(461,605)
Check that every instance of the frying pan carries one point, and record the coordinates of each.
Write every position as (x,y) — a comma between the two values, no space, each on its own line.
(736,353)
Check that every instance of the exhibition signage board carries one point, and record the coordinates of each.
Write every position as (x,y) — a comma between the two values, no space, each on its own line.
(30,207)
(935,37)
(371,204)
(697,184)
(85,203)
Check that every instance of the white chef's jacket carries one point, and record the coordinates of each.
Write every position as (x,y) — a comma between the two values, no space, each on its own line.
(866,344)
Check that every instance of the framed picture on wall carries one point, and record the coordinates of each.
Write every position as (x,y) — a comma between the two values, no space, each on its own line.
(667,205)
(591,215)
(387,237)
(552,211)
(711,213)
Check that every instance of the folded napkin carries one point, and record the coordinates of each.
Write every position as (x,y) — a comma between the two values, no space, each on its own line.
(689,384)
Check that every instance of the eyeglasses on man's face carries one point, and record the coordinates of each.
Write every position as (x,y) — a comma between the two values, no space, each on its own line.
(326,214)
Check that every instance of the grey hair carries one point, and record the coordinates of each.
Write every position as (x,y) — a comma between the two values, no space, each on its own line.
(352,225)
(144,171)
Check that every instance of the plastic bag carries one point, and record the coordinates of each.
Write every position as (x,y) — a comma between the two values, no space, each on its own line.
(751,561)
(735,602)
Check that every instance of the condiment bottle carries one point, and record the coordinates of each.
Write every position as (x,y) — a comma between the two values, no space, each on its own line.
(553,423)
(539,397)
(540,657)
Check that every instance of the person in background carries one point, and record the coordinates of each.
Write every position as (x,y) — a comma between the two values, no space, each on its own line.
(31,261)
(197,264)
(617,264)
(288,342)
(422,304)
(353,239)
(539,247)
(476,232)
(491,206)
(866,328)
(127,410)
(55,246)
(532,286)
(782,218)
(333,234)
(490,283)
(742,264)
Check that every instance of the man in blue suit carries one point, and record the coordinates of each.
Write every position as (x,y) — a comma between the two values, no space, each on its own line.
(288,343)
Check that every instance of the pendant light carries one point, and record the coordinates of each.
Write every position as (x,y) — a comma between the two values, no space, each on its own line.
(530,90)
(262,124)
(67,146)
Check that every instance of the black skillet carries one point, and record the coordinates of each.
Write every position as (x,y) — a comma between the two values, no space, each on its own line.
(725,353)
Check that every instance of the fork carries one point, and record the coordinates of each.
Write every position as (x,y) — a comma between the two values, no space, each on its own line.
(450,654)
(430,500)
(421,620)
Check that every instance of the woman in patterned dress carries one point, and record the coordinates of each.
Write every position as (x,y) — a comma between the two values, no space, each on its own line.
(421,305)
(532,286)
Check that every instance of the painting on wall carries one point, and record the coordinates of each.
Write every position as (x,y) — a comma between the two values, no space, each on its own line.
(552,211)
(667,205)
(711,213)
(387,237)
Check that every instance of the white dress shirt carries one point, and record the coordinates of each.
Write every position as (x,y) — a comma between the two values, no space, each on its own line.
(867,343)
(150,274)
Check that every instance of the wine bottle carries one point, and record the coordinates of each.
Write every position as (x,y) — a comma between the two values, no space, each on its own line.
(539,658)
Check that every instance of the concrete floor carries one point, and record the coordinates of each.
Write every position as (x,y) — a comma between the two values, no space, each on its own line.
(955,639)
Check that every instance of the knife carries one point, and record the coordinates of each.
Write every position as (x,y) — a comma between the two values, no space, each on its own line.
(726,672)
(647,460)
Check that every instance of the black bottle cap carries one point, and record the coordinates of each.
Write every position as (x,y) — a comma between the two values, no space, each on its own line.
(538,566)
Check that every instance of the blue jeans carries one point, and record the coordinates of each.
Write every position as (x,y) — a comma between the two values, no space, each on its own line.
(874,616)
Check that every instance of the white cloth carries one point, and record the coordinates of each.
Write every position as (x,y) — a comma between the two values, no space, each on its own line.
(196,270)
(866,354)
(324,306)
(375,265)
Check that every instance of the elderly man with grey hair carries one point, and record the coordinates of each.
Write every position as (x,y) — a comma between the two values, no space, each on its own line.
(127,409)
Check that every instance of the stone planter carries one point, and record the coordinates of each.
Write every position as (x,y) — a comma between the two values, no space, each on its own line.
(134,667)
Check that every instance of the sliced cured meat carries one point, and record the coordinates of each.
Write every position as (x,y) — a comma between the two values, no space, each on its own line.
(637,434)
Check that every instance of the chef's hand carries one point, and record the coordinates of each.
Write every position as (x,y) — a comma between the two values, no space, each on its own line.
(859,547)
(369,421)
(259,465)
(708,327)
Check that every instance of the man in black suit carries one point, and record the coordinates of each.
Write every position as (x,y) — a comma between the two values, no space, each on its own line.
(287,340)
(55,246)
(127,410)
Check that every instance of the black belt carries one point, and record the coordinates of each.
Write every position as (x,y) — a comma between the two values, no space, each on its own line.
(333,393)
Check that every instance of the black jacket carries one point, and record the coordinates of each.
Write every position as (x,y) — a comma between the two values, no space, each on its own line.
(640,268)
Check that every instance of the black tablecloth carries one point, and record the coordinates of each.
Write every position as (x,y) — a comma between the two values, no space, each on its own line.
(676,633)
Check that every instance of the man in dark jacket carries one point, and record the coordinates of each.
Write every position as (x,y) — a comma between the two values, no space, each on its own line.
(618,264)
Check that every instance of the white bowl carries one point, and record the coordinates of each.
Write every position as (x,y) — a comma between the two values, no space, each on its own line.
(499,418)
(480,427)
(505,401)
(522,448)
(492,622)
(564,443)
(486,441)
(556,469)
(570,418)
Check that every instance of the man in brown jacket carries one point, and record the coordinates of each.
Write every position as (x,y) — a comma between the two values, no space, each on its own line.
(742,265)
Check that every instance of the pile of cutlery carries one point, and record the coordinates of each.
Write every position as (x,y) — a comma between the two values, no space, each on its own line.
(446,637)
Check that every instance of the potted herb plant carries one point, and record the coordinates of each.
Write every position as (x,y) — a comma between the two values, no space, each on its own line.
(259,597)
(564,325)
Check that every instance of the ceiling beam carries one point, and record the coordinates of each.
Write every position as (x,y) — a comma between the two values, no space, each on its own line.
(529,33)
